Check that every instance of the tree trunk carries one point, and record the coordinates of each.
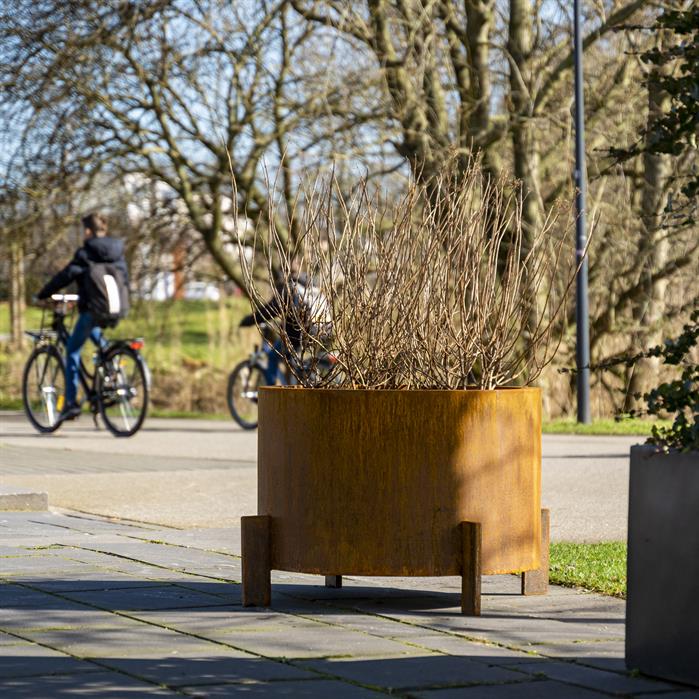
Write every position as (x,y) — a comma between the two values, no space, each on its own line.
(653,249)
(525,148)
(17,295)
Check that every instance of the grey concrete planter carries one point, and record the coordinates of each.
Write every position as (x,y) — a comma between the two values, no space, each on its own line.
(662,612)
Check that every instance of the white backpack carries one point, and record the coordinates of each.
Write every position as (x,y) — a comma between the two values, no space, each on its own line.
(317,312)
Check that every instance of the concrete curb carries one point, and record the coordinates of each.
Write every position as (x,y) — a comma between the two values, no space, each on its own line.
(14,499)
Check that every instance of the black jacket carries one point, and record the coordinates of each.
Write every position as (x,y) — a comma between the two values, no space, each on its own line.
(275,309)
(95,250)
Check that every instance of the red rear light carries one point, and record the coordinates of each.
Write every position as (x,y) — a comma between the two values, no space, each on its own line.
(136,344)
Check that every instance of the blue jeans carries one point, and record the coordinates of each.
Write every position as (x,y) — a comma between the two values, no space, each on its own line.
(83,329)
(274,354)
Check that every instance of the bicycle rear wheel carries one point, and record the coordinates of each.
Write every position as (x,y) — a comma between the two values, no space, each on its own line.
(44,388)
(123,391)
(243,383)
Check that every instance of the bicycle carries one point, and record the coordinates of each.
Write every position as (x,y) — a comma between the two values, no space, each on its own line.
(249,375)
(117,389)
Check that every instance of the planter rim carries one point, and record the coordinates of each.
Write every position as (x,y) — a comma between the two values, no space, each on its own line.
(652,449)
(534,389)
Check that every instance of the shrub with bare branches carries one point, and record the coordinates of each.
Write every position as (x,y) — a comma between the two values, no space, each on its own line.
(440,290)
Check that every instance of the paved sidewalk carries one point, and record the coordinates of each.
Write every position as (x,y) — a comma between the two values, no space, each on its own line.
(93,607)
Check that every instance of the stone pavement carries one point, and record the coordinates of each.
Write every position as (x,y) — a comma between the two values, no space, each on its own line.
(93,607)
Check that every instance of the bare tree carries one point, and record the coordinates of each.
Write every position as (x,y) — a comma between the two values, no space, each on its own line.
(179,92)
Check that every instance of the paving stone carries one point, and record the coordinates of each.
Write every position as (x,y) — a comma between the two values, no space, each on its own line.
(24,619)
(543,689)
(617,664)
(28,568)
(601,680)
(23,659)
(7,639)
(210,664)
(17,596)
(93,581)
(455,645)
(290,640)
(320,689)
(175,557)
(393,673)
(13,498)
(123,638)
(579,651)
(211,539)
(93,684)
(220,620)
(154,597)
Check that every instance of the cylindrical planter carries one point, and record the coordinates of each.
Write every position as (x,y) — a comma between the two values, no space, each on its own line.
(378,482)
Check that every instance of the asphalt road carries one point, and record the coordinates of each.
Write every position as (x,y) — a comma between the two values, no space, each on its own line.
(201,473)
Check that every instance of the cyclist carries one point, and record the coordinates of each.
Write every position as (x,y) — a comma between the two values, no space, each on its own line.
(98,247)
(290,294)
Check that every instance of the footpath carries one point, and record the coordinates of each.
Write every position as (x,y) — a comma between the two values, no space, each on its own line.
(112,608)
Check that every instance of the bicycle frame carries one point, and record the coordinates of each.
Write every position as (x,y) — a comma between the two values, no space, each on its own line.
(58,336)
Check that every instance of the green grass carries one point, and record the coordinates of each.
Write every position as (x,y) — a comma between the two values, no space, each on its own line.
(594,567)
(629,426)
(194,332)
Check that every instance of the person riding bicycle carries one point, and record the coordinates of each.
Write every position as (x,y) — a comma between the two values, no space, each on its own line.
(98,247)
(289,293)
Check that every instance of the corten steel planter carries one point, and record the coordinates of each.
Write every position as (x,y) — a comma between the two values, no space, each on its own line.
(404,483)
(662,609)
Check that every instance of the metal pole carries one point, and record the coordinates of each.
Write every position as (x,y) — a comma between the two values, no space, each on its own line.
(582,352)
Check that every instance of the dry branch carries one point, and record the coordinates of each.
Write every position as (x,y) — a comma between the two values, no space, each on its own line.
(439,290)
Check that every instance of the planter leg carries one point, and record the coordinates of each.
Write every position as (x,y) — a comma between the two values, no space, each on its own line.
(255,539)
(333,581)
(536,582)
(471,568)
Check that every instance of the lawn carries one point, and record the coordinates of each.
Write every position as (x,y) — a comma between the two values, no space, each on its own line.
(203,332)
(190,346)
(625,426)
(594,567)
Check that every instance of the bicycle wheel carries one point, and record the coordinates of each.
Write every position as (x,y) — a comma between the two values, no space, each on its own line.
(44,388)
(243,383)
(123,391)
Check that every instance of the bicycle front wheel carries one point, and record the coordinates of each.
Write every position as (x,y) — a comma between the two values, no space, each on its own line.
(44,388)
(243,383)
(123,391)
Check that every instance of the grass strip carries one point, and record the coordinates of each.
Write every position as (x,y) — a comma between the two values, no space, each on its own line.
(630,426)
(594,567)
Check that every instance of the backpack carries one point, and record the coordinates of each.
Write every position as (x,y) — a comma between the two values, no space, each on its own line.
(107,296)
(315,309)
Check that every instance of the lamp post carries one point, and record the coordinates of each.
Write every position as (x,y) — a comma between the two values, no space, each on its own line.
(582,326)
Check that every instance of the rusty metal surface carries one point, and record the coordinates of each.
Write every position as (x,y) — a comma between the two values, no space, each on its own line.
(378,482)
